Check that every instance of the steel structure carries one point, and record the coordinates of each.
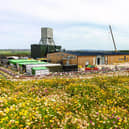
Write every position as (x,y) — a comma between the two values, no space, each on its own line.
(113,38)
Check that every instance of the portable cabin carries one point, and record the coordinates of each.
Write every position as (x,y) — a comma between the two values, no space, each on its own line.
(40,71)
(14,63)
(22,66)
(51,67)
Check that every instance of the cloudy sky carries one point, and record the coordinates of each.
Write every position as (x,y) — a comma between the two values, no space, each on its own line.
(77,24)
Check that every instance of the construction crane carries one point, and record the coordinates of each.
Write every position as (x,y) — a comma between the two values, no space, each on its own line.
(113,38)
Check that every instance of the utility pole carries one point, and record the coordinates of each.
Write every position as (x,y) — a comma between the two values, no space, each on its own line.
(113,38)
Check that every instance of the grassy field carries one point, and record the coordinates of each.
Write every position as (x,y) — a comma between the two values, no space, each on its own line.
(14,52)
(97,103)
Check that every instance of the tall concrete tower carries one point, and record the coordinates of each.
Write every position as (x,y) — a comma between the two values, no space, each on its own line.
(47,36)
(46,44)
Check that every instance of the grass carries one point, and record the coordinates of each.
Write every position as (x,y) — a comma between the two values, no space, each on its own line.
(14,52)
(99,103)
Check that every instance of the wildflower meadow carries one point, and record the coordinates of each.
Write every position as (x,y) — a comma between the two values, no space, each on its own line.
(96,103)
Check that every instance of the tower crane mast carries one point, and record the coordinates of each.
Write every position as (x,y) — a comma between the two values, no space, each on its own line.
(113,38)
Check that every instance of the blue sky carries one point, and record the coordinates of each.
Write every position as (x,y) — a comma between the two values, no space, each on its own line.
(77,24)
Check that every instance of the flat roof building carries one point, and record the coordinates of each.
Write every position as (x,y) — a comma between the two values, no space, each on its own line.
(88,57)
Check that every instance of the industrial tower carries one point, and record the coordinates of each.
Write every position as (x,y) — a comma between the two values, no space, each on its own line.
(46,44)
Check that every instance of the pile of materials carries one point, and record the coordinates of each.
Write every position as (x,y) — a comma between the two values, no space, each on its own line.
(91,67)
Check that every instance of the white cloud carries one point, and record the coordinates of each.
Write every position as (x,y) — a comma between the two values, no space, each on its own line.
(87,37)
(66,13)
(100,11)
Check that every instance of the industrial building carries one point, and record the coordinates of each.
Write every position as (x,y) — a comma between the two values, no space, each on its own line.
(70,60)
(83,58)
(46,44)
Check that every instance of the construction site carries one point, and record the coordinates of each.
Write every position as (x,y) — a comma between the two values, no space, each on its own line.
(47,58)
